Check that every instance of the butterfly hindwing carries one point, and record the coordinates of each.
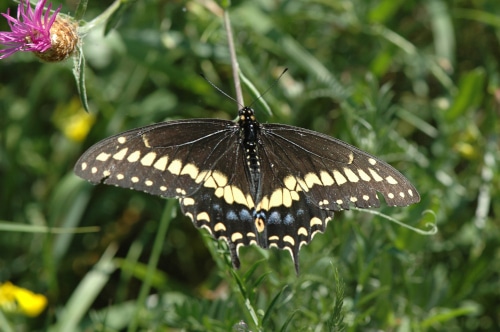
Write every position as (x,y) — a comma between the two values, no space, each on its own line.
(223,204)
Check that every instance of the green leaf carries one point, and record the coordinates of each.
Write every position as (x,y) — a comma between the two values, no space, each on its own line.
(271,306)
(80,10)
(87,291)
(79,73)
(115,17)
(384,10)
(442,28)
(447,315)
(470,94)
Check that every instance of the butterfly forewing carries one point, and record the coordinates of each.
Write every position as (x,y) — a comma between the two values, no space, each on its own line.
(169,159)
(335,174)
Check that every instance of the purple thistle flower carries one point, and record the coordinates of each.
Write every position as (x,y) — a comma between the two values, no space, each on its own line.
(30,32)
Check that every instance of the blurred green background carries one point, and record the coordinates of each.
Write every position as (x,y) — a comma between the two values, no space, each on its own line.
(416,83)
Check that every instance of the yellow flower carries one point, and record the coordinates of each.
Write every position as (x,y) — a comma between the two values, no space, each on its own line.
(20,300)
(72,121)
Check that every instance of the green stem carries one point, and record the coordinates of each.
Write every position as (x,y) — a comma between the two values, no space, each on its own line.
(12,227)
(234,60)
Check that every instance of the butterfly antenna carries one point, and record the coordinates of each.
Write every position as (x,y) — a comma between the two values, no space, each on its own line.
(220,90)
(270,87)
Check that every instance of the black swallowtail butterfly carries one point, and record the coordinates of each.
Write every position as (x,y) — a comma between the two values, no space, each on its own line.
(272,185)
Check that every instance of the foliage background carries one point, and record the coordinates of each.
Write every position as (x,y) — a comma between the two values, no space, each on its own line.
(413,82)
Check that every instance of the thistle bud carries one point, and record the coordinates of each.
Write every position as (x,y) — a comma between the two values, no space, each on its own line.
(51,37)
(63,40)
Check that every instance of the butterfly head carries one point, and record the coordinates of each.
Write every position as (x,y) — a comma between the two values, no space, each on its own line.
(246,115)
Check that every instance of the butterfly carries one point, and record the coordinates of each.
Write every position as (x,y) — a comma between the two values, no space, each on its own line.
(272,185)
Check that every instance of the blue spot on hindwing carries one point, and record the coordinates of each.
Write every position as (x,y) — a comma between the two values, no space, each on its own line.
(231,216)
(245,215)
(217,209)
(274,218)
(289,219)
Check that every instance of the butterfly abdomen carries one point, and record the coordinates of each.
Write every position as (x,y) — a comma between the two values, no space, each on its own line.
(249,131)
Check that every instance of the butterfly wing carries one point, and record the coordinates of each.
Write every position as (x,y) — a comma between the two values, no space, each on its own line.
(335,174)
(163,159)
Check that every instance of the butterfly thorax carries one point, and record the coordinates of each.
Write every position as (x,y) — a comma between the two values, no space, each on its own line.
(249,133)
